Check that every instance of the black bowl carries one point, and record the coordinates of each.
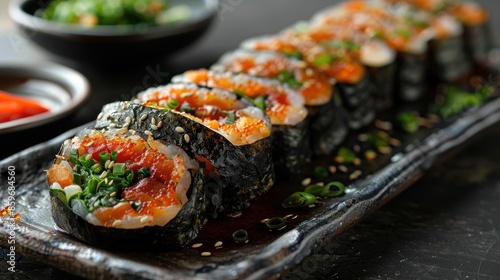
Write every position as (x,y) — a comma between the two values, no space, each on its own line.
(112,43)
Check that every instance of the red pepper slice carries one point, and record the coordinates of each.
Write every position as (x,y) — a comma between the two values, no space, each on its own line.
(14,107)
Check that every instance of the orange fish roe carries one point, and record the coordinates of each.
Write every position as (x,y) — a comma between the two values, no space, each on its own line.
(314,86)
(216,109)
(17,217)
(4,212)
(279,107)
(469,13)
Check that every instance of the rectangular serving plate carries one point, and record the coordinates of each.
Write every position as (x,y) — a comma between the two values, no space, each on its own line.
(38,238)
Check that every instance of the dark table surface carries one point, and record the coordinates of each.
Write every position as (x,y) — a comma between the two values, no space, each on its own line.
(446,226)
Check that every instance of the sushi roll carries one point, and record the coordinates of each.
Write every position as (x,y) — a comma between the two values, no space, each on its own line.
(448,60)
(230,137)
(355,88)
(477,35)
(328,119)
(403,28)
(283,105)
(110,188)
(359,23)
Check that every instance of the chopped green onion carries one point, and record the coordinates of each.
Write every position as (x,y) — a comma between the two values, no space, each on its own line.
(73,158)
(293,54)
(299,200)
(172,104)
(77,178)
(323,60)
(260,102)
(239,92)
(403,33)
(320,172)
(92,186)
(347,45)
(240,236)
(314,189)
(85,162)
(276,223)
(288,78)
(409,122)
(114,155)
(118,169)
(187,109)
(104,157)
(347,155)
(230,118)
(377,140)
(338,187)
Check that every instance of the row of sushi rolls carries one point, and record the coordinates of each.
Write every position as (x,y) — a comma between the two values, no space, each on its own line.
(214,140)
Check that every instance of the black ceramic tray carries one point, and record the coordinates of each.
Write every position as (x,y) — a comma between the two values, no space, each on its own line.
(267,254)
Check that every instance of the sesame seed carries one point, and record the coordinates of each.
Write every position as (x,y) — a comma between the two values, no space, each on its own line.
(143,117)
(111,164)
(127,120)
(103,175)
(357,161)
(394,142)
(106,164)
(106,181)
(186,138)
(339,159)
(117,223)
(97,165)
(385,150)
(320,184)
(343,168)
(332,169)
(264,220)
(160,124)
(112,125)
(88,157)
(206,254)
(111,182)
(148,133)
(218,244)
(153,121)
(291,216)
(113,194)
(306,181)
(363,137)
(144,220)
(355,175)
(100,115)
(122,130)
(154,127)
(133,132)
(383,125)
(179,129)
(60,157)
(196,245)
(356,148)
(370,155)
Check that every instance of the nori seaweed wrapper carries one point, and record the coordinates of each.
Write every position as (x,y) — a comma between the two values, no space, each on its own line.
(291,149)
(448,60)
(174,235)
(411,76)
(328,125)
(478,41)
(359,102)
(383,80)
(246,171)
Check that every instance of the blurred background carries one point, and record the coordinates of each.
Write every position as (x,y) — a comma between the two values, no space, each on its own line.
(5,21)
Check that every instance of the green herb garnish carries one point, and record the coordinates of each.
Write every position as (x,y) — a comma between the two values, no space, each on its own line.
(326,59)
(320,172)
(299,200)
(457,101)
(288,78)
(172,104)
(142,173)
(409,122)
(230,118)
(344,45)
(347,155)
